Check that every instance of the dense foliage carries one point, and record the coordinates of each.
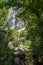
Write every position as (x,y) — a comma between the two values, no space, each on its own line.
(31,11)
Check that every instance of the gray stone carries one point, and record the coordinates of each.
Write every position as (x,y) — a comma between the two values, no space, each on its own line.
(17,61)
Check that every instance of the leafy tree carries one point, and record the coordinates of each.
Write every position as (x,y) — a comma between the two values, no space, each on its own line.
(13,35)
(32,11)
(6,35)
(3,17)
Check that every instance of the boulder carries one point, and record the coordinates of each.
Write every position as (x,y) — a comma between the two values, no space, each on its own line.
(17,61)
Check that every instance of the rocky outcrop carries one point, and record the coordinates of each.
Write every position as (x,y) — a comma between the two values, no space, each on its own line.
(17,61)
(14,22)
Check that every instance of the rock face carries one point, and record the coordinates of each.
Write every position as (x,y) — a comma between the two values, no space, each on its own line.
(10,46)
(19,49)
(2,36)
(13,21)
(20,57)
(17,61)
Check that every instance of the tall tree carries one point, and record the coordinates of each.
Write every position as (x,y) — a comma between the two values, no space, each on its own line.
(32,12)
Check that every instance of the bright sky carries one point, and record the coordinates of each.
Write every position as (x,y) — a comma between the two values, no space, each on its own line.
(3,0)
(6,0)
